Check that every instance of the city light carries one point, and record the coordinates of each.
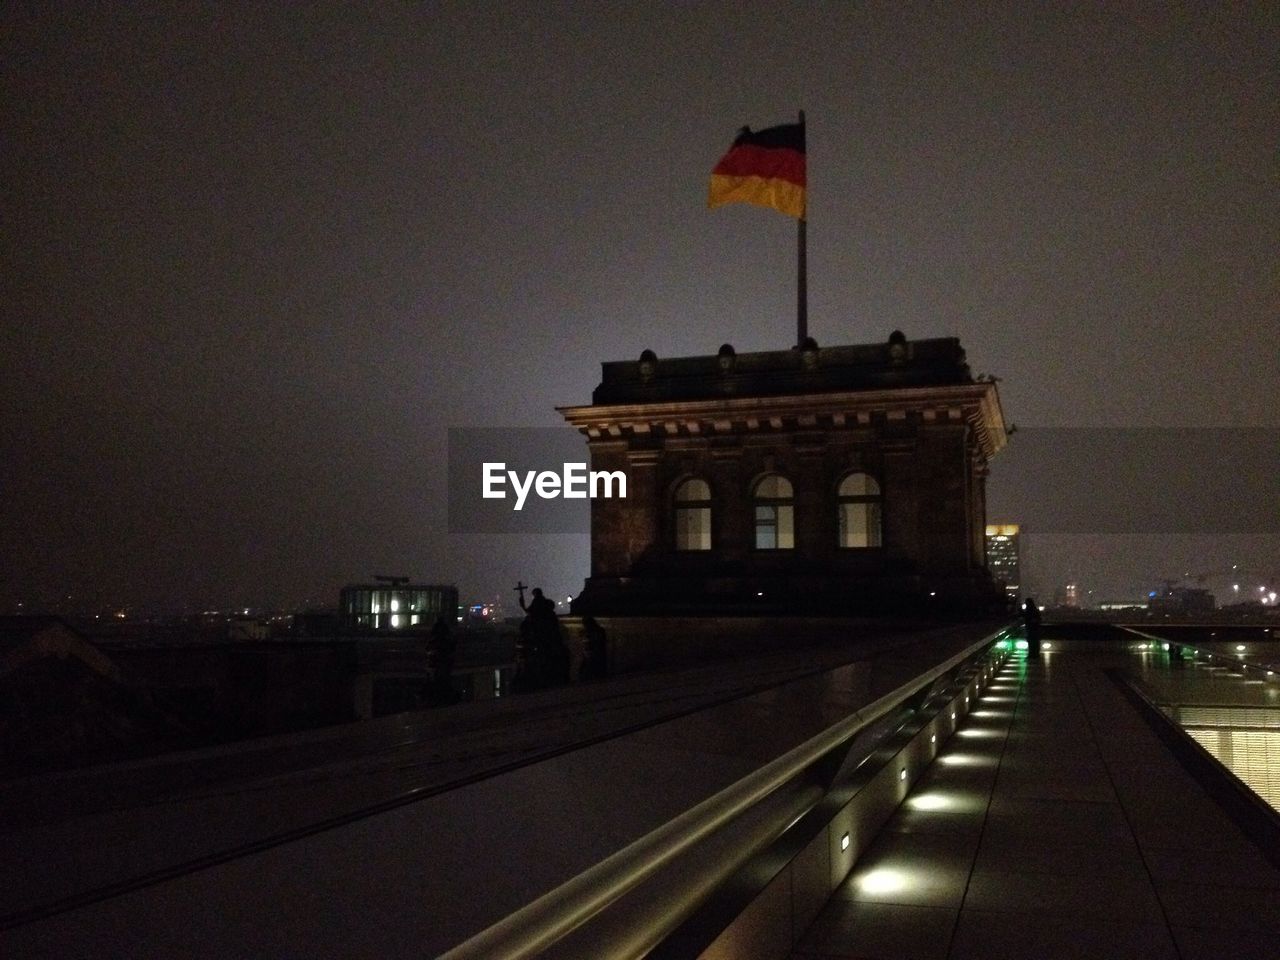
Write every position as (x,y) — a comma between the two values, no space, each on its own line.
(882,881)
(929,801)
(966,760)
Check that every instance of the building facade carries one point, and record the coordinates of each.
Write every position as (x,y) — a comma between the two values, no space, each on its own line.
(1004,558)
(397,605)
(814,481)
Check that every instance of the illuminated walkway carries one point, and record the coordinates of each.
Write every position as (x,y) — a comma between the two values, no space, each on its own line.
(1056,824)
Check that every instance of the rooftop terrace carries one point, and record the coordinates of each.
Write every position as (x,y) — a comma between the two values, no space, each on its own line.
(1058,824)
(1032,807)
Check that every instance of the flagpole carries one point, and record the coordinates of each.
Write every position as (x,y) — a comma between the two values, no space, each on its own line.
(802,266)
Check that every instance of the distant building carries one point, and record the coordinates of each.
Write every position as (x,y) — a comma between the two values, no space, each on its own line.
(1182,601)
(829,480)
(1004,557)
(397,605)
(483,612)
(249,628)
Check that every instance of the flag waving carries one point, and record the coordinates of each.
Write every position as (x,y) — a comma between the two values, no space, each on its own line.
(765,168)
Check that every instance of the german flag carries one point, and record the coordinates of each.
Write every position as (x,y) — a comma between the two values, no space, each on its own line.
(765,168)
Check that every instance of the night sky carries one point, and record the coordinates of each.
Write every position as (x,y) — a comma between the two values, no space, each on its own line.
(258,258)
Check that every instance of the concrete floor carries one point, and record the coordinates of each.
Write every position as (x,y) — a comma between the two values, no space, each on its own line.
(1055,824)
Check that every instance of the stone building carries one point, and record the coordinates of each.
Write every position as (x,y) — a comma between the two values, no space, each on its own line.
(811,481)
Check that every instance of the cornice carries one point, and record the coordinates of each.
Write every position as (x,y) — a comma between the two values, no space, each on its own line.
(974,404)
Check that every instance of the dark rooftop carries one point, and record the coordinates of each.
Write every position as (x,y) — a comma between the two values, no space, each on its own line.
(895,363)
(15,631)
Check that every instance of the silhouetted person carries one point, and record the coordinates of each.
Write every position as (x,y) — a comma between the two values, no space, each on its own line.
(1031,626)
(440,650)
(594,651)
(542,659)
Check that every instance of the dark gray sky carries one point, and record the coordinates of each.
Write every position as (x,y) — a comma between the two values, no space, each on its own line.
(257,258)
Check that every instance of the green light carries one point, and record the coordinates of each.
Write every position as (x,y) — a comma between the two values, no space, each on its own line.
(1002,644)
(1021,645)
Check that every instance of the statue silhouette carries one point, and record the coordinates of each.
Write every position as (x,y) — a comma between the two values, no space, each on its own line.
(542,658)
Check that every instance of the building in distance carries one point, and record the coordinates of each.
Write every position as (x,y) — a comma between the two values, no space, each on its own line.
(1004,558)
(392,603)
(1181,601)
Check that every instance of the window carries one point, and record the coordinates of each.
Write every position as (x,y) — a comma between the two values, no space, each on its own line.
(693,515)
(859,503)
(775,514)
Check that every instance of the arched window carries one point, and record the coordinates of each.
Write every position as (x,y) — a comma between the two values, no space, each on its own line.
(693,515)
(775,514)
(858,502)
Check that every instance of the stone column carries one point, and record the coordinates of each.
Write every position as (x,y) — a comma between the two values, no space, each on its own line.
(943,498)
(639,517)
(732,520)
(902,538)
(815,513)
(978,519)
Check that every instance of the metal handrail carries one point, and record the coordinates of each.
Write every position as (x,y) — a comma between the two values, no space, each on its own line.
(539,924)
(1269,667)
